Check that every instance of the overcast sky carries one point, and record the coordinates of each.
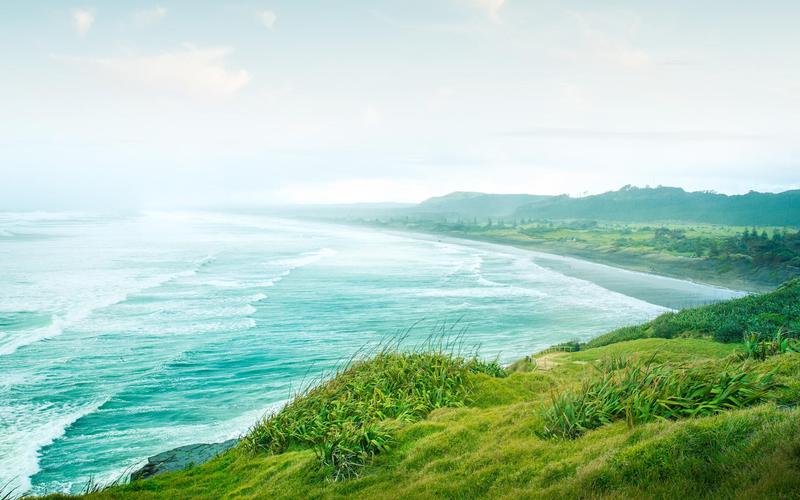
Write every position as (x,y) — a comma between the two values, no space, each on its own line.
(131,104)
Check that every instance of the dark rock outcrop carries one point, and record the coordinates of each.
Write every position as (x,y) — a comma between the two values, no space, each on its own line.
(181,458)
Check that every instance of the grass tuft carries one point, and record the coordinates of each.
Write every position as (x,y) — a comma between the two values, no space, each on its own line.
(349,419)
(643,392)
(8,492)
(760,347)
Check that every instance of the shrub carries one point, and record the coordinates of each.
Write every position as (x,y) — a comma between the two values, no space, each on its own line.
(729,331)
(619,335)
(667,326)
(756,346)
(345,419)
(349,447)
(569,346)
(724,321)
(644,392)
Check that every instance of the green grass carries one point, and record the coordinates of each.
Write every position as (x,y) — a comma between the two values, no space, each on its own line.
(643,392)
(730,321)
(761,347)
(679,417)
(350,419)
(493,447)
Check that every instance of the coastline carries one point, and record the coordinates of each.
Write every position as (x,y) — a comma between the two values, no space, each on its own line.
(650,264)
(181,458)
(195,454)
(563,370)
(670,291)
(500,246)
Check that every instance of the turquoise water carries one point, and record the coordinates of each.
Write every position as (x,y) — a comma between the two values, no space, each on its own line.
(121,337)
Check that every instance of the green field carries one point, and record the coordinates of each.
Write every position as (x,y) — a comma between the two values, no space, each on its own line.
(677,407)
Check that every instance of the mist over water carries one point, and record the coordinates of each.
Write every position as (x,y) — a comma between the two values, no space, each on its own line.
(121,337)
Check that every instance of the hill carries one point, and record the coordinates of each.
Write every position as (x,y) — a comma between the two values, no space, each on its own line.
(477,204)
(663,410)
(629,204)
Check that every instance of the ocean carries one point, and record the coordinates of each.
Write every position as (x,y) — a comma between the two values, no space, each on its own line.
(124,336)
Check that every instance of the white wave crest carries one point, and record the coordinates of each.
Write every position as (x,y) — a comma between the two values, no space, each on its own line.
(80,312)
(303,259)
(482,292)
(28,431)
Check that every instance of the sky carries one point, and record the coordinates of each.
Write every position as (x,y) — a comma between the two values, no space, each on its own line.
(136,104)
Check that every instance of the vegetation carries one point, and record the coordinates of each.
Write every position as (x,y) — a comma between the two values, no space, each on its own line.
(7,492)
(628,205)
(478,204)
(760,348)
(753,316)
(651,417)
(344,420)
(746,241)
(643,392)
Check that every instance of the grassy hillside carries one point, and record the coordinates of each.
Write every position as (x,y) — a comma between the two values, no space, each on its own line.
(624,417)
(632,204)
(629,204)
(478,204)
(755,315)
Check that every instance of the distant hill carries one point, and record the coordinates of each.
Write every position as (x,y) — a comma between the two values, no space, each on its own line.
(478,204)
(630,204)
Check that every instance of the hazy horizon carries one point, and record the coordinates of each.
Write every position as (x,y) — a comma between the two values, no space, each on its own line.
(143,105)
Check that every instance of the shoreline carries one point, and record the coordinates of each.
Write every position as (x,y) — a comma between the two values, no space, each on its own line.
(618,261)
(198,453)
(653,288)
(498,398)
(501,246)
(631,265)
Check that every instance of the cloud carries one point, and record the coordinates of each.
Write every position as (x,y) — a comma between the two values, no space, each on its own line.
(191,71)
(492,8)
(82,19)
(149,16)
(267,18)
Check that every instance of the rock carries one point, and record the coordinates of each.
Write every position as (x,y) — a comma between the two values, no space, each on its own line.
(182,458)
